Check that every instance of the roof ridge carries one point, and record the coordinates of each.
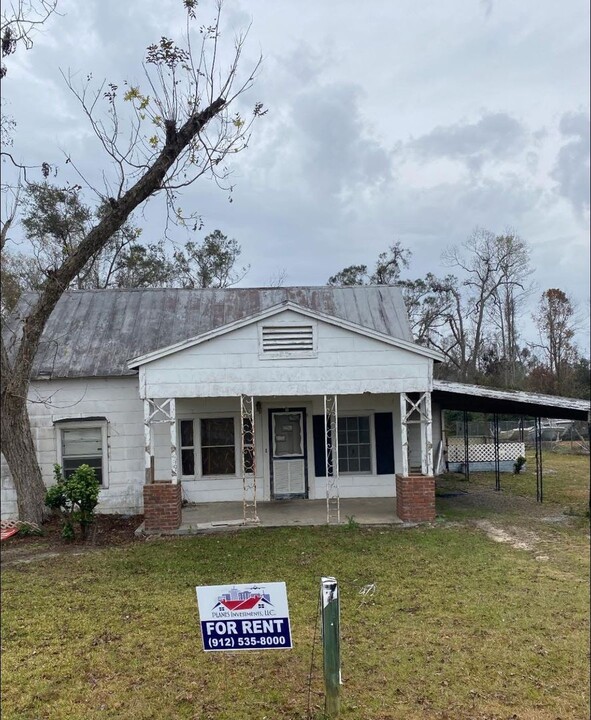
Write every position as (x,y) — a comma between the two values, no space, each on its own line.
(73,291)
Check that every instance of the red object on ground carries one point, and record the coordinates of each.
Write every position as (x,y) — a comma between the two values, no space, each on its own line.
(8,532)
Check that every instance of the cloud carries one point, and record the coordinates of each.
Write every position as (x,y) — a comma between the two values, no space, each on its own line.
(488,7)
(571,169)
(336,149)
(495,136)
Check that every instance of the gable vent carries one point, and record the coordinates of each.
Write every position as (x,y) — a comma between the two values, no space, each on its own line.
(288,338)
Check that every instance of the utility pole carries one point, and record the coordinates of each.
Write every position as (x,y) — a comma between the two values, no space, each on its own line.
(331,645)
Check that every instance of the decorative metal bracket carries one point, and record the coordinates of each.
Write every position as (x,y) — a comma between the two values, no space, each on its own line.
(422,406)
(331,440)
(249,476)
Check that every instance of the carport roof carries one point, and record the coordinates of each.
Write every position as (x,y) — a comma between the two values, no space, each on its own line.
(477,398)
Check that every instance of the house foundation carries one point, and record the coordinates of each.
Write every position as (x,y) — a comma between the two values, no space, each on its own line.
(162,506)
(415,498)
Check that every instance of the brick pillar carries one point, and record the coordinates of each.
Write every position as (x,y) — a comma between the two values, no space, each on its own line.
(162,506)
(415,498)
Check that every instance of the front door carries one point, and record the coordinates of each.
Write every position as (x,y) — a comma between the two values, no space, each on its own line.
(288,453)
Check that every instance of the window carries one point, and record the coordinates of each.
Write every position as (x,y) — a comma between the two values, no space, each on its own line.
(288,435)
(218,449)
(354,444)
(187,448)
(212,446)
(208,447)
(83,444)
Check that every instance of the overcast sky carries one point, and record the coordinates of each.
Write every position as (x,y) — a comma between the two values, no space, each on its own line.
(411,121)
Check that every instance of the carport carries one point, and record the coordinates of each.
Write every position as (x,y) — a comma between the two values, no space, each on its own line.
(476,398)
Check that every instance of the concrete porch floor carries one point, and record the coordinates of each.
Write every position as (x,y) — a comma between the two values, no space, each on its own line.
(282,513)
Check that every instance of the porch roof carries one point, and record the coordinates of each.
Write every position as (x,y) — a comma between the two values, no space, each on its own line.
(477,398)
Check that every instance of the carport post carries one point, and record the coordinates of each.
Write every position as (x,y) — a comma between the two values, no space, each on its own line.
(331,645)
(466,448)
(539,469)
(496,444)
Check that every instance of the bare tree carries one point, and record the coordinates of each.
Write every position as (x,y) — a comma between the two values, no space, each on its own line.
(20,19)
(278,278)
(556,323)
(462,313)
(181,130)
(430,303)
(508,300)
(493,272)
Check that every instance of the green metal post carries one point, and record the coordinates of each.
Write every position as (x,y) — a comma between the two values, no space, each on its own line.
(331,644)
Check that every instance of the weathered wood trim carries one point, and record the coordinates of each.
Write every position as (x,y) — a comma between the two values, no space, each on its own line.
(174,476)
(404,434)
(427,417)
(148,445)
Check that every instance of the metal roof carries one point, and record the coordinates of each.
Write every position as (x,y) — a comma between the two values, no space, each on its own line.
(477,398)
(94,333)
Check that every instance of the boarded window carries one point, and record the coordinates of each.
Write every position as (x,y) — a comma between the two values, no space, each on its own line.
(82,446)
(218,456)
(288,338)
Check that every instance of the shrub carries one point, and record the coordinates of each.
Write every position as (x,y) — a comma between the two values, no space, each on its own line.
(75,498)
(518,465)
(25,529)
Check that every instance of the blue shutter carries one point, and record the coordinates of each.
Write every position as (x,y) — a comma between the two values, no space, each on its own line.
(384,430)
(319,445)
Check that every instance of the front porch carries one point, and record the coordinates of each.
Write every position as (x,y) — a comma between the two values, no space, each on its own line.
(218,516)
(262,451)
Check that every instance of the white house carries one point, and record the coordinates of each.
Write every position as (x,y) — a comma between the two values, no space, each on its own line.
(236,394)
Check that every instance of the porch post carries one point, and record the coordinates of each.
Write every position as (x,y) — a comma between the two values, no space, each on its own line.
(427,436)
(331,438)
(148,465)
(248,458)
(162,500)
(404,434)
(174,476)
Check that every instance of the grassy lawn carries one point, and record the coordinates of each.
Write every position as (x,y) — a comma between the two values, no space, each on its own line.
(460,627)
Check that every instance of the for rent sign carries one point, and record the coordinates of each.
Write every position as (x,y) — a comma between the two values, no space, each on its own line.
(244,617)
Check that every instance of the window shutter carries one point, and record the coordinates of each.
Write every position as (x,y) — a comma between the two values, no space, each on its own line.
(319,445)
(384,430)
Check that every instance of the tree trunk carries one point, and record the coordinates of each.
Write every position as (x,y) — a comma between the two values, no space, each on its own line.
(17,441)
(19,450)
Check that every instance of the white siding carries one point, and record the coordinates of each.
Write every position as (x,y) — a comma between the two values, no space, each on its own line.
(116,399)
(228,365)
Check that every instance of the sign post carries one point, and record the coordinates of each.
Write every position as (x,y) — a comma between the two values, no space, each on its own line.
(331,645)
(244,617)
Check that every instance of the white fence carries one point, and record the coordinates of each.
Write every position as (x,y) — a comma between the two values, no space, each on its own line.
(485,452)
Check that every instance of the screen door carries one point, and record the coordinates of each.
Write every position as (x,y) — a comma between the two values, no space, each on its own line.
(288,453)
